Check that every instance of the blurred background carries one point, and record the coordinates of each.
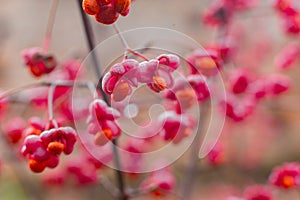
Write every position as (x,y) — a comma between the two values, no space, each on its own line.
(251,148)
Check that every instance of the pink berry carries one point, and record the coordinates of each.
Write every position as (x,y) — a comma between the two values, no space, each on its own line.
(258,192)
(286,176)
(287,57)
(199,84)
(59,139)
(14,129)
(277,84)
(38,61)
(161,182)
(239,81)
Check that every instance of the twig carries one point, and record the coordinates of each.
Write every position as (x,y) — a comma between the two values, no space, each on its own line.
(137,54)
(42,84)
(50,105)
(126,46)
(108,186)
(96,66)
(119,173)
(124,42)
(50,24)
(191,169)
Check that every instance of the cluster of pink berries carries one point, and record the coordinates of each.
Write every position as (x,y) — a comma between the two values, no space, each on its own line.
(101,122)
(156,73)
(43,150)
(245,91)
(106,11)
(41,143)
(187,91)
(175,127)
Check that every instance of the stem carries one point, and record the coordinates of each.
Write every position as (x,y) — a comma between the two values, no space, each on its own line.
(93,90)
(91,45)
(42,84)
(50,105)
(119,174)
(108,186)
(191,169)
(137,54)
(50,24)
(126,46)
(124,42)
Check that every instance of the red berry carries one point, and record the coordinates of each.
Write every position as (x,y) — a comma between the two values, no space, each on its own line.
(38,61)
(104,2)
(292,24)
(36,166)
(199,84)
(55,147)
(285,7)
(121,6)
(239,81)
(258,89)
(278,84)
(286,176)
(90,7)
(287,57)
(107,15)
(14,129)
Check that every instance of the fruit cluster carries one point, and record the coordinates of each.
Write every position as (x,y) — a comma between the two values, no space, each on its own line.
(43,150)
(101,122)
(106,11)
(38,61)
(156,73)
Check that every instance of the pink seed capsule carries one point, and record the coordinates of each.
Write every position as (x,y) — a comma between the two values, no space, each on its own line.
(287,57)
(277,84)
(239,81)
